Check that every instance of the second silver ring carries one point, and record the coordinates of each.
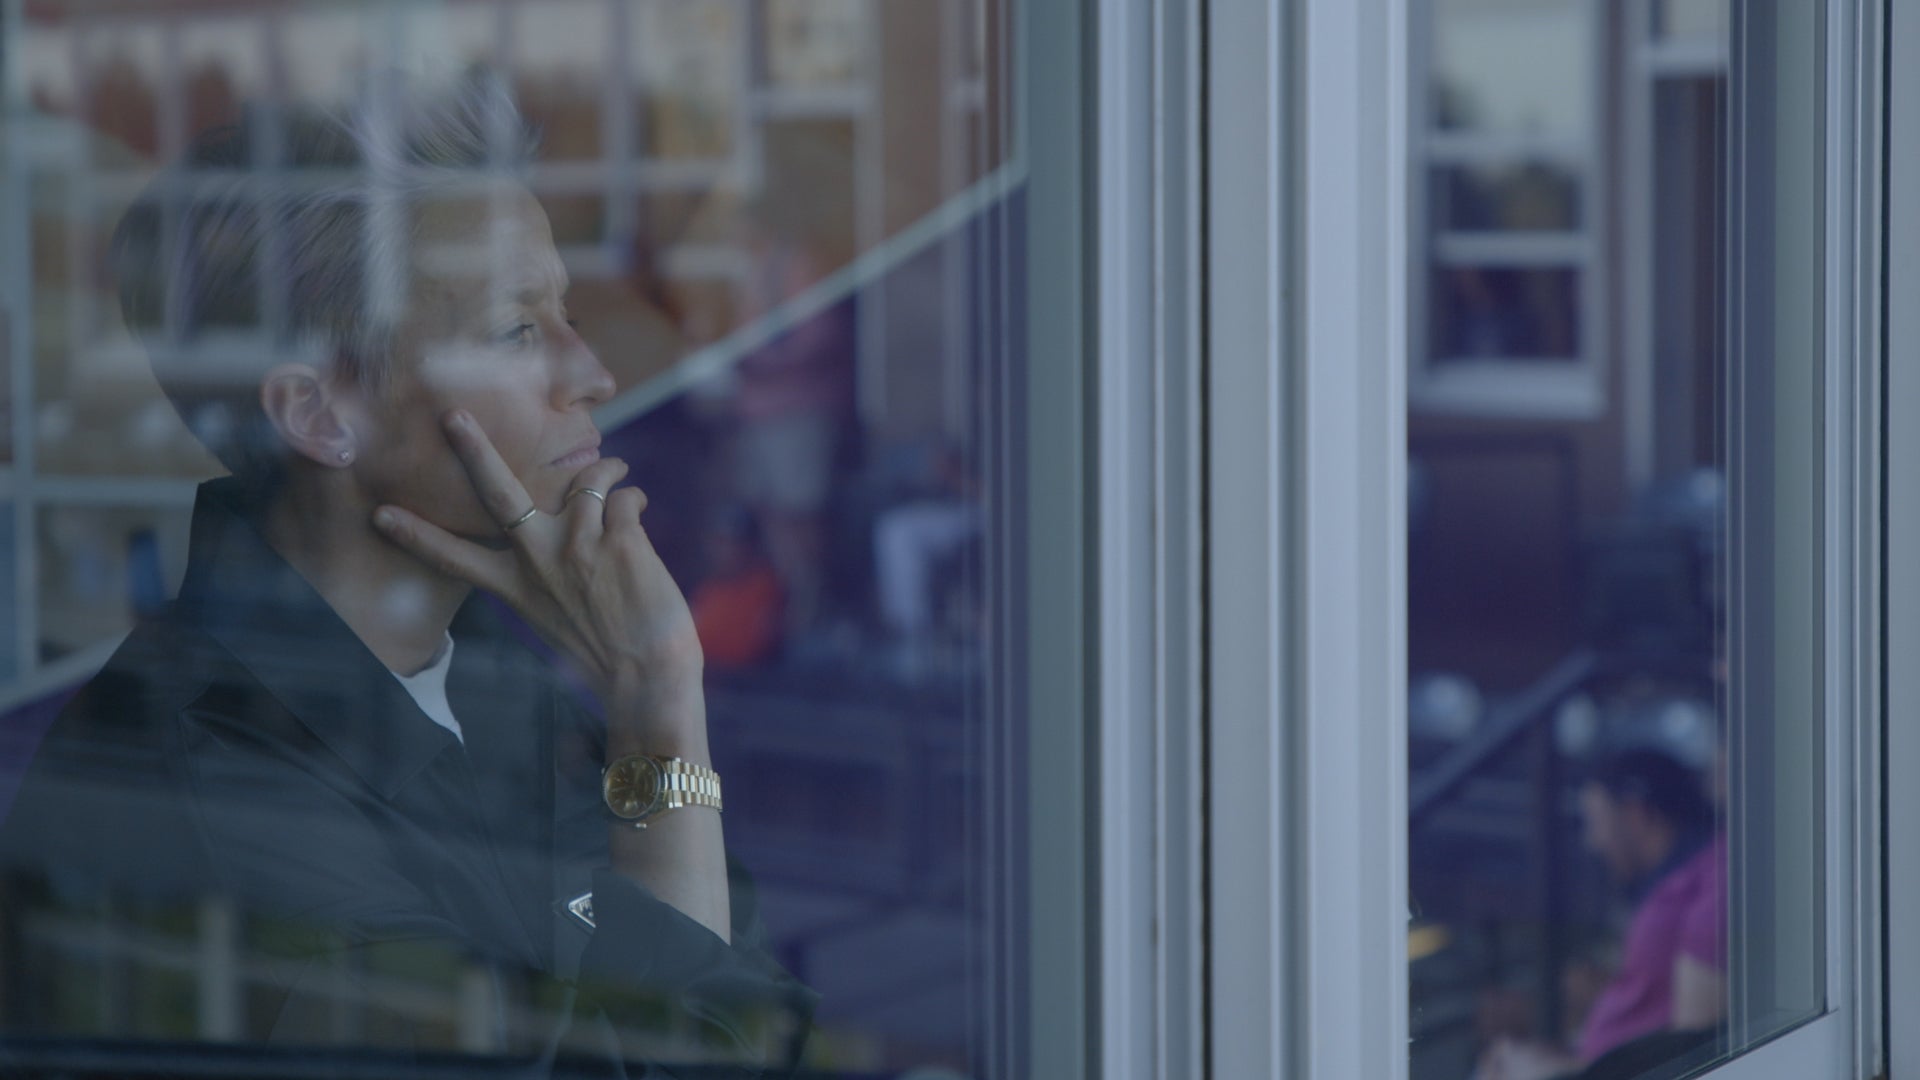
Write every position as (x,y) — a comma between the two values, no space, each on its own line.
(584,491)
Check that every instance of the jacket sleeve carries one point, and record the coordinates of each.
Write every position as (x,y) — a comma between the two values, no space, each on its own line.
(645,953)
(355,921)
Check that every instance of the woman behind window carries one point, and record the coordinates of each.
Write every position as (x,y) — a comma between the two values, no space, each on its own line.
(329,730)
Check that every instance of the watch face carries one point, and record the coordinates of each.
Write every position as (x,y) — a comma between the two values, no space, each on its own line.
(632,787)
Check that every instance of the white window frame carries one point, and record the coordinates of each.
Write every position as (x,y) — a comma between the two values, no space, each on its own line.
(1306,363)
(1148,734)
(1648,61)
(1856,307)
(1573,387)
(1056,1036)
(1902,348)
(1845,1041)
(1306,368)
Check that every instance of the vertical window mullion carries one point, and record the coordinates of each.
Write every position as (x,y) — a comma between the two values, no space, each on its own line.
(1306,367)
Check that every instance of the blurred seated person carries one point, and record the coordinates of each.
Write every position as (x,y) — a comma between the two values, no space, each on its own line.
(330,735)
(913,536)
(737,608)
(1648,818)
(792,408)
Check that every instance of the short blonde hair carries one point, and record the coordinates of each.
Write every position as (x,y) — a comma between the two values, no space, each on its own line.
(296,225)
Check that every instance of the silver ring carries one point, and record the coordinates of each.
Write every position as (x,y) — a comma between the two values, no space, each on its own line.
(521,520)
(583,491)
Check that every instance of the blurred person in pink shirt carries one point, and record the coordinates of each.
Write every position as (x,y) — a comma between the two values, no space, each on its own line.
(1649,819)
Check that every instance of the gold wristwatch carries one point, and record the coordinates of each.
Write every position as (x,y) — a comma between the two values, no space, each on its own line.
(640,787)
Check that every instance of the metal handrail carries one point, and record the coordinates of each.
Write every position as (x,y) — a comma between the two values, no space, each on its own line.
(1503,727)
(1506,724)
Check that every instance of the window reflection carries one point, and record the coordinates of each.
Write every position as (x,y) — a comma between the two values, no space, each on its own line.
(1588,809)
(814,42)
(1515,203)
(709,175)
(328,49)
(1501,66)
(1505,313)
(558,52)
(689,59)
(1706,19)
(1526,196)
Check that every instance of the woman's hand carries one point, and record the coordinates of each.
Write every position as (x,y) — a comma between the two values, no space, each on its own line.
(589,582)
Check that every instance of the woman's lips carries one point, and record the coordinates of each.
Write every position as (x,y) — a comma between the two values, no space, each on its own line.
(579,459)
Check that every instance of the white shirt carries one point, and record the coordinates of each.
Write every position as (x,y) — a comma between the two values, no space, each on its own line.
(429,688)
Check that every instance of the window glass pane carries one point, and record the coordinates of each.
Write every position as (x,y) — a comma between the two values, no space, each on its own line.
(274,779)
(118,95)
(1511,148)
(99,568)
(814,42)
(221,65)
(1703,19)
(9,592)
(1512,66)
(329,48)
(1616,619)
(461,33)
(1505,313)
(560,67)
(689,66)
(1777,606)
(1503,196)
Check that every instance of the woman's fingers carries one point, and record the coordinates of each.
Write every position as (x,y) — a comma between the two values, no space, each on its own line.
(500,492)
(585,513)
(624,506)
(445,552)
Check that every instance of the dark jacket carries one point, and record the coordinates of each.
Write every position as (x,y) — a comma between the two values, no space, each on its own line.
(245,748)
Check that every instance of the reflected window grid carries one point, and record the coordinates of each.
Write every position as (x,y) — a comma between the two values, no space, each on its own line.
(1511,208)
(594,179)
(1556,629)
(190,68)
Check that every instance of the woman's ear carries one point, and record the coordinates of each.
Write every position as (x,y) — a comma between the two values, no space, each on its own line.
(310,413)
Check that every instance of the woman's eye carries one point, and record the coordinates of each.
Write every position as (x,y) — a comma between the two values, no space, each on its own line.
(519,335)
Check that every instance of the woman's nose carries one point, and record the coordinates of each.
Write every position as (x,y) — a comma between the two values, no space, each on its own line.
(584,380)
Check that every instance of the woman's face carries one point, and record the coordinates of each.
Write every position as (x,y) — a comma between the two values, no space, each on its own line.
(486,330)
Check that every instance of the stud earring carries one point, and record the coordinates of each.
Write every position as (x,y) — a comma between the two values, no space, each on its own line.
(346,456)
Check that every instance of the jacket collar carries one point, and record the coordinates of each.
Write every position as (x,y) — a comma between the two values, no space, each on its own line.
(249,599)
